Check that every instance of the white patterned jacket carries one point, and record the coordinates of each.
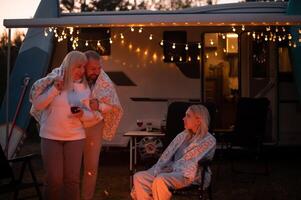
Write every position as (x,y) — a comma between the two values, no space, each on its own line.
(199,148)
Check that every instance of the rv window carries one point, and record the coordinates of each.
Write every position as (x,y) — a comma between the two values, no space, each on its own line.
(174,43)
(92,38)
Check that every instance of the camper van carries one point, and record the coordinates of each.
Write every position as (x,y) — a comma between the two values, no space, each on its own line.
(213,54)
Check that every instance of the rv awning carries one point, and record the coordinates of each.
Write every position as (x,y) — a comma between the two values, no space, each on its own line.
(149,20)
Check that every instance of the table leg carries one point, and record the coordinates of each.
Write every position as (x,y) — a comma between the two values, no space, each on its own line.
(131,162)
(135,153)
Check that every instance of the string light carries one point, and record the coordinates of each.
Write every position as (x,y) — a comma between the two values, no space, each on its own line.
(173,45)
(275,34)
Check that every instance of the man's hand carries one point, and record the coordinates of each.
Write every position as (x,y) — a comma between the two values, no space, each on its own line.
(59,83)
(94,104)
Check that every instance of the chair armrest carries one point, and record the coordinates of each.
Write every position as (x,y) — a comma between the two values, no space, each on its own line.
(204,162)
(24,158)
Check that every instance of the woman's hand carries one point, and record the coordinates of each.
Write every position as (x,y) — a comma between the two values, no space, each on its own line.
(94,105)
(59,83)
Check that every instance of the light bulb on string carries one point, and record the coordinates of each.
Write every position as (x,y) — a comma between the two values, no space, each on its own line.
(98,43)
(110,40)
(189,59)
(243,28)
(161,43)
(268,28)
(150,36)
(198,58)
(233,29)
(140,30)
(71,30)
(121,36)
(283,29)
(171,58)
(294,45)
(173,45)
(224,36)
(180,59)
(87,43)
(45,33)
(50,29)
(289,36)
(199,45)
(132,29)
(186,47)
(276,30)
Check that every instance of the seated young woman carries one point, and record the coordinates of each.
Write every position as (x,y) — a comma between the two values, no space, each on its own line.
(178,165)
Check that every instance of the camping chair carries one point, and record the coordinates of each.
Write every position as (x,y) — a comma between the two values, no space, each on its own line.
(9,182)
(198,189)
(249,129)
(174,125)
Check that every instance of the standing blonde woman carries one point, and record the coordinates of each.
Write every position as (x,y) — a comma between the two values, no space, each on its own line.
(178,165)
(57,105)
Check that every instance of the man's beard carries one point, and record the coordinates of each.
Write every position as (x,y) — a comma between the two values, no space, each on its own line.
(92,79)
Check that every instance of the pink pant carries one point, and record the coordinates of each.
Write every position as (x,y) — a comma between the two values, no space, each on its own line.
(150,187)
(91,158)
(62,162)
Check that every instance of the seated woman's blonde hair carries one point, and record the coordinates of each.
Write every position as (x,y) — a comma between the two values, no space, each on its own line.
(202,112)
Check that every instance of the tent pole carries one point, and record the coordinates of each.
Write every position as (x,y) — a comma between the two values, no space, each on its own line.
(7,86)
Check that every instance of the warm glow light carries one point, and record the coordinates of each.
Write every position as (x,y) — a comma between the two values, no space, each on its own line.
(130,46)
(232,35)
(155,57)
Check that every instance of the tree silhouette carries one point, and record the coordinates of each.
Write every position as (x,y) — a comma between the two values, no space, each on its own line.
(112,5)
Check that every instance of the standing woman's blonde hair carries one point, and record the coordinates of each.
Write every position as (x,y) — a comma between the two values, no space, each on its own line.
(72,59)
(202,112)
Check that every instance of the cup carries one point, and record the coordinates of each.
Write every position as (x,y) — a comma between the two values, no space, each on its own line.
(149,126)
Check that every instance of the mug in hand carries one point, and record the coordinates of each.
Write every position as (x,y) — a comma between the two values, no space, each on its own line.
(75,109)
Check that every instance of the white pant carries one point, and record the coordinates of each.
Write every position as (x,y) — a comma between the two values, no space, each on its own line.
(91,158)
(150,187)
